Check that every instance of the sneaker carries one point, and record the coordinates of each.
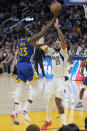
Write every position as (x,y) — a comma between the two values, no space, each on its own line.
(14,117)
(23,113)
(72,101)
(79,104)
(46,124)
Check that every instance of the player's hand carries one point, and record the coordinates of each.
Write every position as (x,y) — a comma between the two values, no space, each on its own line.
(56,14)
(56,23)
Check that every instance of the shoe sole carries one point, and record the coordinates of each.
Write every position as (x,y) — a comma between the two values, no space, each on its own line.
(20,112)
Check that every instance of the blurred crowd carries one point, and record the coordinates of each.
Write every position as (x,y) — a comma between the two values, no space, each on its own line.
(71,21)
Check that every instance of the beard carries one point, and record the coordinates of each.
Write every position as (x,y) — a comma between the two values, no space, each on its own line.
(57,50)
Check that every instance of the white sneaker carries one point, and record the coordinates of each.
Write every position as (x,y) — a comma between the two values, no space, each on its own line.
(23,113)
(72,101)
(79,105)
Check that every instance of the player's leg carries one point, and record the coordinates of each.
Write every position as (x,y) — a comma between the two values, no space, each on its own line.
(69,95)
(80,104)
(48,121)
(84,85)
(21,80)
(42,67)
(32,95)
(60,110)
(58,100)
(14,115)
(36,66)
(51,98)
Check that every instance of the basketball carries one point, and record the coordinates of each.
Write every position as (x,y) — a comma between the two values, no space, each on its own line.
(55,7)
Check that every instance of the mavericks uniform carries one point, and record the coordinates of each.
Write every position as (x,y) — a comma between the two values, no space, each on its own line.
(57,84)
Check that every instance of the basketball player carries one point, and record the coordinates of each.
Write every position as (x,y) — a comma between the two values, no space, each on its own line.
(24,69)
(68,65)
(56,91)
(84,84)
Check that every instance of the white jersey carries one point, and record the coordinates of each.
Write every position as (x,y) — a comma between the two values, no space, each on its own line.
(58,59)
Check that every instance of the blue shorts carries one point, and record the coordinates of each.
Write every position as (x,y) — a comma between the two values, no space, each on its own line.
(85,82)
(24,71)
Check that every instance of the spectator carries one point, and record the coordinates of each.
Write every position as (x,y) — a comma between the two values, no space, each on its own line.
(74,127)
(79,48)
(2,58)
(65,128)
(73,53)
(86,123)
(39,55)
(7,62)
(32,127)
(77,29)
(81,53)
(1,42)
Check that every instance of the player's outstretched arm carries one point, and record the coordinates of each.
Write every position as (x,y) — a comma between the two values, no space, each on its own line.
(36,37)
(40,45)
(60,34)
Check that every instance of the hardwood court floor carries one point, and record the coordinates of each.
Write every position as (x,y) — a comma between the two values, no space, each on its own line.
(38,108)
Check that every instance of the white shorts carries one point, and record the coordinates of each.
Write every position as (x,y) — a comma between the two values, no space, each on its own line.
(57,87)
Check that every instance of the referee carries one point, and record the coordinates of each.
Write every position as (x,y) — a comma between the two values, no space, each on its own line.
(39,56)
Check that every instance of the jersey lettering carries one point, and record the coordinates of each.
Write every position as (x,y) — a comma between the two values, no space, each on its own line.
(23,51)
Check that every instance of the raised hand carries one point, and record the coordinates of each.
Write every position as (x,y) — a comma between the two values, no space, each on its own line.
(56,23)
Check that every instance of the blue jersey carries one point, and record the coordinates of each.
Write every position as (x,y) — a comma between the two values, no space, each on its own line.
(25,50)
(24,68)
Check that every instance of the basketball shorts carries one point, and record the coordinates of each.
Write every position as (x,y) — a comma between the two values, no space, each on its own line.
(57,87)
(25,72)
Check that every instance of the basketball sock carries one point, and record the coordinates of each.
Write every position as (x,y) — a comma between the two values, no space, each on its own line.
(49,107)
(26,106)
(16,107)
(33,90)
(63,120)
(18,91)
